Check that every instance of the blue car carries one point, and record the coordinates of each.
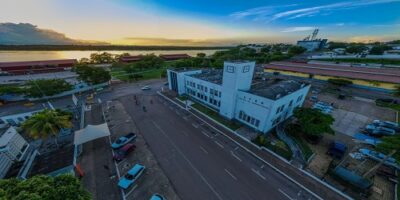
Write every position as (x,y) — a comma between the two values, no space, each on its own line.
(120,142)
(157,197)
(132,175)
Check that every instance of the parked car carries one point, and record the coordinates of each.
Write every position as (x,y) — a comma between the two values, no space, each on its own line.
(378,131)
(337,150)
(387,124)
(157,197)
(132,175)
(120,142)
(146,87)
(123,152)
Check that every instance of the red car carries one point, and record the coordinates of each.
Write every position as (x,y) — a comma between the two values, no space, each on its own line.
(124,151)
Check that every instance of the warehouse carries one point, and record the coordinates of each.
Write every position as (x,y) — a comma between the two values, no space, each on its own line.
(34,67)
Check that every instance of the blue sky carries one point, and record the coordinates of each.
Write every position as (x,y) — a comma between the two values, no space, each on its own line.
(208,21)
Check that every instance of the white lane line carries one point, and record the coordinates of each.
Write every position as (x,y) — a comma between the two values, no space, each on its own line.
(219,144)
(231,174)
(204,133)
(237,157)
(133,189)
(236,148)
(205,151)
(188,161)
(258,174)
(195,125)
(286,195)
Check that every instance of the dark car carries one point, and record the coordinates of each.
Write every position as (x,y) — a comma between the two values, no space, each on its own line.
(124,151)
(123,140)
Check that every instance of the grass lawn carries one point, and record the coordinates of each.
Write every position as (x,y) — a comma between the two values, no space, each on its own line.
(183,98)
(279,148)
(213,114)
(146,74)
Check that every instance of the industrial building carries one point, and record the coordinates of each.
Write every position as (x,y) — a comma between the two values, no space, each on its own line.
(12,148)
(311,43)
(34,67)
(170,57)
(231,92)
(384,78)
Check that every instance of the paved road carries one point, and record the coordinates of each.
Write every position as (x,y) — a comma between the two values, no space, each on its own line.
(202,164)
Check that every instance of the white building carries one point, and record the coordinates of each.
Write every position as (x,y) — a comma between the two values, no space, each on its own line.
(233,94)
(12,148)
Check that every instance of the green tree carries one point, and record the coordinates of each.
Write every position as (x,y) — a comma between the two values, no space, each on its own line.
(100,58)
(313,122)
(397,90)
(355,48)
(379,49)
(46,87)
(296,50)
(41,187)
(47,123)
(92,75)
(11,89)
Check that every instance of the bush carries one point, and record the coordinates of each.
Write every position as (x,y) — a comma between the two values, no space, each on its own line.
(339,82)
(279,148)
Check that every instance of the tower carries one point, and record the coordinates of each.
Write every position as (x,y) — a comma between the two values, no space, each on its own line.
(237,75)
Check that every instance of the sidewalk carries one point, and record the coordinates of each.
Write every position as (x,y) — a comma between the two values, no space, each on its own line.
(96,162)
(291,171)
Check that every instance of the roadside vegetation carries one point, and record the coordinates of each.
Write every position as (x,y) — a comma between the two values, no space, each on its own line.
(92,75)
(37,88)
(44,187)
(214,115)
(279,147)
(293,131)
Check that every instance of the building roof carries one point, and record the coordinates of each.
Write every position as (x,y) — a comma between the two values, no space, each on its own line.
(174,56)
(131,58)
(37,63)
(5,135)
(210,75)
(53,161)
(275,88)
(363,73)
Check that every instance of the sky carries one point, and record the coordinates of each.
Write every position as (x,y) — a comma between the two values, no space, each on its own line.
(209,22)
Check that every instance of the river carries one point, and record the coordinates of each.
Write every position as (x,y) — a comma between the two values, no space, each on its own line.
(10,56)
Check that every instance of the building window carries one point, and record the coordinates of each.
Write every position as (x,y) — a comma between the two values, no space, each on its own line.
(205,89)
(252,121)
(211,91)
(299,98)
(240,114)
(205,98)
(219,103)
(291,102)
(230,69)
(257,123)
(246,69)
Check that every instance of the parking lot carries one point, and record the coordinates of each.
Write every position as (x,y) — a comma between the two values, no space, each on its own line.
(153,179)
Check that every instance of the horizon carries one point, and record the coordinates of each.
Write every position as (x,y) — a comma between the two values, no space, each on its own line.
(208,23)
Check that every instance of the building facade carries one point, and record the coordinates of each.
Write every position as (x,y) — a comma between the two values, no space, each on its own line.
(232,92)
(12,148)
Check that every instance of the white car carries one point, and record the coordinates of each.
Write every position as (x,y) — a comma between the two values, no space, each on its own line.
(146,87)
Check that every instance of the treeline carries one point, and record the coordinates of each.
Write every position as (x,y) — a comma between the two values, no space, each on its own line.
(103,47)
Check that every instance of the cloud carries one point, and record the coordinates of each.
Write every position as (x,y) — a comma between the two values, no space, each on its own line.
(28,34)
(298,29)
(272,13)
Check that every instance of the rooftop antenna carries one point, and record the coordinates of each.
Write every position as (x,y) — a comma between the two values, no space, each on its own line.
(314,34)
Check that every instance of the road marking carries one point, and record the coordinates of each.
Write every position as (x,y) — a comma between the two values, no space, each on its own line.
(177,112)
(258,174)
(231,174)
(219,144)
(188,161)
(236,148)
(130,192)
(286,195)
(205,151)
(204,133)
(195,125)
(234,155)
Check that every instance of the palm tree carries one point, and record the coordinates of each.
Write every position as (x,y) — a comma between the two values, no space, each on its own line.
(47,123)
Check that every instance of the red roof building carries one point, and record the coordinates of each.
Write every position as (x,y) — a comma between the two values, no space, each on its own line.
(387,75)
(174,56)
(131,59)
(34,67)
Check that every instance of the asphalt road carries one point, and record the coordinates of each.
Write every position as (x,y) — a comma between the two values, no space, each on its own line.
(202,164)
